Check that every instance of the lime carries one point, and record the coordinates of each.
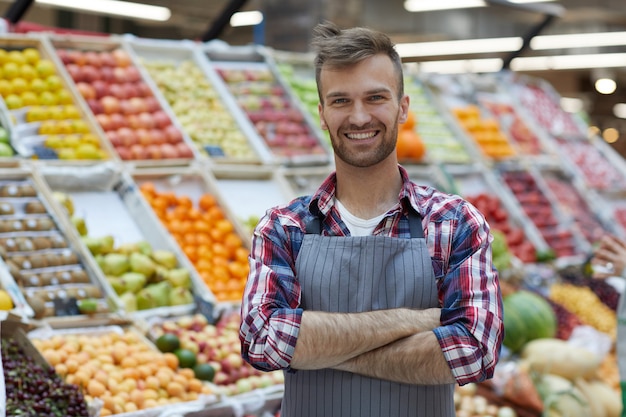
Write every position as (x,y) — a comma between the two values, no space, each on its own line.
(204,372)
(168,342)
(186,358)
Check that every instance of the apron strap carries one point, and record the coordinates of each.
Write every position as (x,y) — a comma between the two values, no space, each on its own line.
(314,226)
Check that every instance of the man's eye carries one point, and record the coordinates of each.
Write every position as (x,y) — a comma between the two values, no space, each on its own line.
(376,98)
(340,101)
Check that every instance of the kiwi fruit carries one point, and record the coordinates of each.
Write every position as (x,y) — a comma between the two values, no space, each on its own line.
(10,245)
(6,209)
(38,305)
(24,244)
(68,257)
(58,242)
(22,262)
(31,280)
(48,278)
(14,270)
(10,190)
(35,207)
(30,224)
(41,242)
(27,190)
(38,261)
(5,226)
(64,277)
(92,291)
(53,259)
(45,223)
(16,226)
(80,276)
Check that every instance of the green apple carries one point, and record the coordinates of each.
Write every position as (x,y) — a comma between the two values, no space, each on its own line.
(4,135)
(6,150)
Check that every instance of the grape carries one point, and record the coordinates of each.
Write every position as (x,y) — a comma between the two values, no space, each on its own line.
(34,390)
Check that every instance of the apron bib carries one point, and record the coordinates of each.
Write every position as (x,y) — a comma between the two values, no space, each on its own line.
(342,274)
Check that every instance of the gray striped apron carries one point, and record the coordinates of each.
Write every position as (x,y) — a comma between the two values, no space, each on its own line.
(355,274)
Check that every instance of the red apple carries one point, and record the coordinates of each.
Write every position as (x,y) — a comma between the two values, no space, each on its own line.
(161,119)
(138,151)
(64,56)
(127,136)
(146,120)
(144,89)
(95,106)
(138,104)
(131,90)
(143,136)
(173,134)
(105,121)
(77,57)
(107,60)
(93,58)
(133,121)
(86,90)
(118,91)
(124,153)
(158,137)
(169,151)
(101,87)
(110,104)
(114,138)
(184,151)
(126,108)
(132,74)
(154,151)
(106,74)
(121,57)
(119,73)
(118,120)
(75,72)
(152,104)
(90,73)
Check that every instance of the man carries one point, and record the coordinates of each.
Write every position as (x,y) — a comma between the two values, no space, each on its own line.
(375,295)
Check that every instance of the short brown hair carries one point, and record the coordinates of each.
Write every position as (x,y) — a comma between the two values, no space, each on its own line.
(339,48)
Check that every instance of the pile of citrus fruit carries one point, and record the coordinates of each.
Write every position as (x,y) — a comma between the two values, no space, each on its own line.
(206,236)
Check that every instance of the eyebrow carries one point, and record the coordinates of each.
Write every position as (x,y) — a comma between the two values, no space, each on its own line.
(367,93)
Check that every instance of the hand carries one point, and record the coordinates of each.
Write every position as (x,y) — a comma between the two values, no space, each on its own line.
(609,258)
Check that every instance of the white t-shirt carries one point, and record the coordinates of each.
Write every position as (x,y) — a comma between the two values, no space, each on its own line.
(356,225)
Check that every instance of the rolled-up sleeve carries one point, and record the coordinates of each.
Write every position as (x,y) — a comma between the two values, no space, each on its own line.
(472,326)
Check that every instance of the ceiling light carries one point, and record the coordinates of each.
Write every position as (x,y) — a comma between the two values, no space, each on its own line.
(469,46)
(460,66)
(605,85)
(619,110)
(113,7)
(564,62)
(610,135)
(429,5)
(246,18)
(578,40)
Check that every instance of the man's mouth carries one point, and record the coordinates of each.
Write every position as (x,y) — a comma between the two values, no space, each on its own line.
(361,136)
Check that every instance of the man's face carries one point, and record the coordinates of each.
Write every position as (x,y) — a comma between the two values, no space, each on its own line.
(361,110)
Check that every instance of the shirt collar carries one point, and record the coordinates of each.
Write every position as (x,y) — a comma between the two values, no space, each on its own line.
(323,199)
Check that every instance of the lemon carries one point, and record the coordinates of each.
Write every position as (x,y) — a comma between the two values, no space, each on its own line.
(6,303)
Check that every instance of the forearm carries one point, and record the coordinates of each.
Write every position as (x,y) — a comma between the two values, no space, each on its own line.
(416,359)
(328,339)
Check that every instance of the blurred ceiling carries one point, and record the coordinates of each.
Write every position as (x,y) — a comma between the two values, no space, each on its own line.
(288,24)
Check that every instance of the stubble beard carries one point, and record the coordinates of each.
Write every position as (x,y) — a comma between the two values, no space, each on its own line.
(366,159)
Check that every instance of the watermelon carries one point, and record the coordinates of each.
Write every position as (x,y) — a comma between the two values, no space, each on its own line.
(527,316)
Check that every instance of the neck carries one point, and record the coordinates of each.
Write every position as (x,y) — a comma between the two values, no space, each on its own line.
(368,192)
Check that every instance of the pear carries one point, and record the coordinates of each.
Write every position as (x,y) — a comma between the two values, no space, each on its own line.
(154,295)
(129,301)
(141,263)
(179,277)
(108,242)
(133,281)
(94,244)
(144,247)
(118,285)
(180,296)
(165,257)
(115,264)
(80,225)
(160,273)
(99,260)
(127,248)
(65,200)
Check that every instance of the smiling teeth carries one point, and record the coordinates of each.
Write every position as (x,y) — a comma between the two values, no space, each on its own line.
(360,136)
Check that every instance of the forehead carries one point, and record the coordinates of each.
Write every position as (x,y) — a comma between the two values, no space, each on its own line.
(373,72)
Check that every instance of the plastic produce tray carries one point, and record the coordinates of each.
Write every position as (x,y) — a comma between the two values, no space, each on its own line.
(202,224)
(41,257)
(181,72)
(119,97)
(111,205)
(54,110)
(269,106)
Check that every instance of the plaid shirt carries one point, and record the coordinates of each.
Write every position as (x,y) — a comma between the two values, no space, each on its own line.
(458,240)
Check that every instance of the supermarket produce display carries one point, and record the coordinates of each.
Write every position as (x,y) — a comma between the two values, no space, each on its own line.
(132,173)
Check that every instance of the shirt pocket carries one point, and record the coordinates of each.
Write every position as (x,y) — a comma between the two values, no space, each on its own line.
(438,268)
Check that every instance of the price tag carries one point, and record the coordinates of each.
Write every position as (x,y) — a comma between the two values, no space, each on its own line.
(66,307)
(205,307)
(213,150)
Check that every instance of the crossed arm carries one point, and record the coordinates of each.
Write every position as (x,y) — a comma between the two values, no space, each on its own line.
(396,345)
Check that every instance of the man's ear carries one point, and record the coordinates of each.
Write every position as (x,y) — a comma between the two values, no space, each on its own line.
(323,124)
(403,114)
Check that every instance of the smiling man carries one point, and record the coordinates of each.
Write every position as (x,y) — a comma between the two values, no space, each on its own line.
(375,294)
